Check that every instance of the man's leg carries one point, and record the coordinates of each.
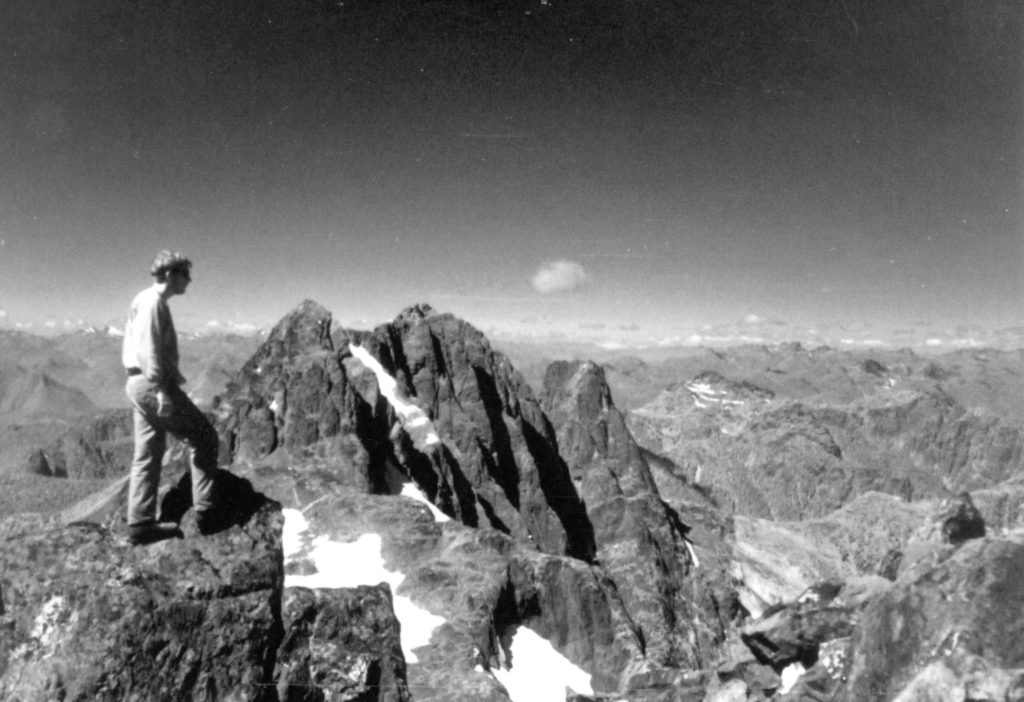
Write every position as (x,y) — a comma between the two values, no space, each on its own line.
(144,480)
(190,425)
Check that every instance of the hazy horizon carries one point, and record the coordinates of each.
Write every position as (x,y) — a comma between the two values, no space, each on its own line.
(684,174)
(567,343)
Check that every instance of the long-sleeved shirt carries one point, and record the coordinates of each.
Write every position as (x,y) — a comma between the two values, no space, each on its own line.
(150,341)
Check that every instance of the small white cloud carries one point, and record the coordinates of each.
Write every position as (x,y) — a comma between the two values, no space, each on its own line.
(3,313)
(213,324)
(50,323)
(753,319)
(555,276)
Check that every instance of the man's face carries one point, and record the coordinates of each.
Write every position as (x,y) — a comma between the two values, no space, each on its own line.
(178,279)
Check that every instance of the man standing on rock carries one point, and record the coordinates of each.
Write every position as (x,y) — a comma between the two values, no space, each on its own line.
(160,406)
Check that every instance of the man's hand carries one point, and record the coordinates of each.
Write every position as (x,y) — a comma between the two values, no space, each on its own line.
(164,406)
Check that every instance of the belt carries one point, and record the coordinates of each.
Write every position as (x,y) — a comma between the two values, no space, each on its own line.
(133,371)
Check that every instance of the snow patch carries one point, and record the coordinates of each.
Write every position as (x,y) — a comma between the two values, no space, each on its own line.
(703,393)
(410,490)
(539,673)
(340,564)
(790,674)
(414,420)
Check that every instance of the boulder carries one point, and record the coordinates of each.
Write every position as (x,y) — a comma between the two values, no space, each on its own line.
(960,520)
(37,464)
(794,633)
(340,644)
(945,629)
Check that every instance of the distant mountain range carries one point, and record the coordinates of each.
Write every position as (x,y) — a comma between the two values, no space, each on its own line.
(90,362)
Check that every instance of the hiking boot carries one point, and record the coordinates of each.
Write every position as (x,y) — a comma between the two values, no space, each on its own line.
(142,534)
(211,521)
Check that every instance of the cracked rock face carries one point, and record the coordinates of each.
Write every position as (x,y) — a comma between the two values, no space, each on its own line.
(86,616)
(295,401)
(945,628)
(340,644)
(641,541)
(497,464)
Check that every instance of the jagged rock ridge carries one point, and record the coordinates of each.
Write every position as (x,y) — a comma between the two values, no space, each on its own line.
(621,557)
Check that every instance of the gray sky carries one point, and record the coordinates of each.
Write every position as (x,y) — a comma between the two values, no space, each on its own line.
(618,171)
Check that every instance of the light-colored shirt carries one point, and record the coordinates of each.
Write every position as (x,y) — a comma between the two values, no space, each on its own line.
(150,341)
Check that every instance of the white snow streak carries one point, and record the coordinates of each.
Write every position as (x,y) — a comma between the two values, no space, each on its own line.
(412,417)
(410,490)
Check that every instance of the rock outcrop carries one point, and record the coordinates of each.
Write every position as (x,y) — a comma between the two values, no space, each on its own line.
(948,631)
(340,645)
(37,464)
(497,463)
(679,612)
(87,617)
(293,401)
(462,426)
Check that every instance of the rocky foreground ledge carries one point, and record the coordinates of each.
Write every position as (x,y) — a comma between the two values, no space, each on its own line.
(86,616)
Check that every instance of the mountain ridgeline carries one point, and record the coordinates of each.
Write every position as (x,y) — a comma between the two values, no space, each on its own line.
(775,524)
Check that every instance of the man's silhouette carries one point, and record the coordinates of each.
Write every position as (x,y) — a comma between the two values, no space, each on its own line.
(160,406)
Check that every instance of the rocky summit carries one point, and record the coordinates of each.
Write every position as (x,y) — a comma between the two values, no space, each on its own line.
(410,520)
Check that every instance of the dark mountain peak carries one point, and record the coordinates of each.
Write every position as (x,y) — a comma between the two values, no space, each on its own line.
(424,349)
(578,389)
(462,423)
(591,431)
(305,329)
(421,322)
(415,313)
(496,461)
